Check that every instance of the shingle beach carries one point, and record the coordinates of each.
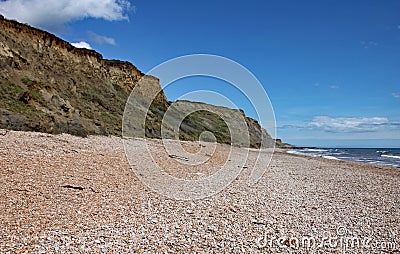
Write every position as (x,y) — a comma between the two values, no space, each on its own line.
(66,194)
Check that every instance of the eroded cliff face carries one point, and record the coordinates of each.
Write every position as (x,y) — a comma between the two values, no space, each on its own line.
(27,48)
(65,89)
(48,85)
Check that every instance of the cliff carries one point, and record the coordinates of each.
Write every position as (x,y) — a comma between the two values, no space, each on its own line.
(48,85)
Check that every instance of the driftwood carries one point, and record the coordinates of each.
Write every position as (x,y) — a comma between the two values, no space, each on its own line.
(73,187)
(178,157)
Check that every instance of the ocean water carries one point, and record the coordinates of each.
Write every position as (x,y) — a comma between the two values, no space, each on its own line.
(379,156)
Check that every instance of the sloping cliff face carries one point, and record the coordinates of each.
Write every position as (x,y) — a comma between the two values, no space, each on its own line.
(48,85)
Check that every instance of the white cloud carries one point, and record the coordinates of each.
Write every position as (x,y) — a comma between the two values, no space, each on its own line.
(396,95)
(368,44)
(56,13)
(102,39)
(348,124)
(326,86)
(81,44)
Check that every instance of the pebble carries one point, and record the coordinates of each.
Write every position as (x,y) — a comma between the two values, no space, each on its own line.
(319,196)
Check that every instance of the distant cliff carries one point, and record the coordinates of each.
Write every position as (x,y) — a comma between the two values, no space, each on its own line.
(48,85)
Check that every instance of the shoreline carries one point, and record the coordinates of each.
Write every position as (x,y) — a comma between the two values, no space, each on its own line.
(354,163)
(329,157)
(63,193)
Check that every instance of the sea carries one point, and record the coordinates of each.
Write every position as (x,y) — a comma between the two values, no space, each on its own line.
(378,156)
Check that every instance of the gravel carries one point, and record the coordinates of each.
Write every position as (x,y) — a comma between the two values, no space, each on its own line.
(66,194)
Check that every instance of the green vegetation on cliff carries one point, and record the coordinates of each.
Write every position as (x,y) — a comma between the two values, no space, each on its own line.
(48,85)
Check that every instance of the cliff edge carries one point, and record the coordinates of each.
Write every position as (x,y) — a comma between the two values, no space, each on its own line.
(48,85)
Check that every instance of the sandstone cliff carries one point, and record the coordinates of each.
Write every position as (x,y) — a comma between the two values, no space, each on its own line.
(48,85)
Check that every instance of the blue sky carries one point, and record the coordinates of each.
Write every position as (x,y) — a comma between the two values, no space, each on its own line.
(331,68)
